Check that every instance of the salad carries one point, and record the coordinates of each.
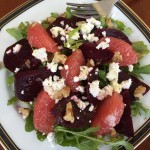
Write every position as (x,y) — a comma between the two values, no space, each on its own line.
(78,80)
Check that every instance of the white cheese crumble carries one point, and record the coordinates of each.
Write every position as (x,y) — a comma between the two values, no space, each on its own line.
(103,44)
(126,84)
(22,92)
(62,38)
(16,70)
(66,67)
(90,37)
(86,28)
(40,54)
(76,79)
(60,68)
(51,139)
(56,31)
(91,108)
(104,33)
(80,89)
(94,22)
(113,71)
(8,52)
(130,67)
(94,88)
(62,23)
(53,85)
(116,86)
(17,48)
(52,66)
(75,36)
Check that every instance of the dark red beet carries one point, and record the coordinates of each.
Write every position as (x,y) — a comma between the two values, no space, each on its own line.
(135,83)
(112,33)
(100,56)
(84,116)
(28,84)
(22,60)
(125,125)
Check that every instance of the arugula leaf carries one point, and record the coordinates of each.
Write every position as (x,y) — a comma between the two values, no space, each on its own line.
(40,136)
(12,100)
(103,22)
(23,27)
(102,78)
(69,12)
(127,31)
(16,33)
(140,48)
(29,126)
(54,15)
(120,25)
(45,24)
(138,108)
(86,140)
(10,80)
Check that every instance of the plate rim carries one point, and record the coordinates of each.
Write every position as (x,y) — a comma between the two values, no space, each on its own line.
(144,131)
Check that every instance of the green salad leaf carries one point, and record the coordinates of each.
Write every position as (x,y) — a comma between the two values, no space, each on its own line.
(45,24)
(10,80)
(55,15)
(23,27)
(86,140)
(40,136)
(69,12)
(103,22)
(137,108)
(29,126)
(12,100)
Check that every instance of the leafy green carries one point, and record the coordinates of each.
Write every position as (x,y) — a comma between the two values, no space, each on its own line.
(16,33)
(138,108)
(120,25)
(23,27)
(29,126)
(54,15)
(86,140)
(127,31)
(103,22)
(10,80)
(140,48)
(40,136)
(69,12)
(12,100)
(45,24)
(102,78)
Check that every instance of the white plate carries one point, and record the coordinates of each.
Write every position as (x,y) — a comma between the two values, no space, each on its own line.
(9,118)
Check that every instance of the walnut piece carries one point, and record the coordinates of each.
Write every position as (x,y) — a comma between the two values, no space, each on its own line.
(139,91)
(51,19)
(109,23)
(90,63)
(63,93)
(113,133)
(69,113)
(117,57)
(59,58)
(24,112)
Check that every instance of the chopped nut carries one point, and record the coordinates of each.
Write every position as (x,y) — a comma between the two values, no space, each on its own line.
(109,23)
(90,63)
(59,58)
(117,57)
(69,113)
(24,112)
(139,91)
(27,63)
(80,23)
(113,133)
(62,93)
(51,19)
(63,14)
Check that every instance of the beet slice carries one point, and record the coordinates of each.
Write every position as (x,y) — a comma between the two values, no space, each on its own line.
(22,59)
(82,118)
(28,84)
(99,56)
(125,125)
(112,33)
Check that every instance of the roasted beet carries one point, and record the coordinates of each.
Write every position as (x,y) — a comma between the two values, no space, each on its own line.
(82,118)
(125,125)
(112,33)
(100,56)
(20,56)
(28,84)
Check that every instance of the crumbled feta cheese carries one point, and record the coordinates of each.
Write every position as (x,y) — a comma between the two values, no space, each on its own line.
(91,108)
(60,47)
(75,36)
(66,27)
(66,67)
(94,88)
(84,71)
(86,28)
(76,79)
(126,84)
(40,54)
(51,139)
(116,86)
(52,66)
(94,22)
(130,67)
(16,70)
(57,30)
(52,85)
(60,68)
(17,48)
(62,38)
(22,92)
(62,23)
(104,33)
(113,71)
(68,45)
(90,37)
(78,118)
(80,89)
(83,97)
(103,44)
(8,52)
(90,121)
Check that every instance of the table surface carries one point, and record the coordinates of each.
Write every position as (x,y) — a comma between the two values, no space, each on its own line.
(141,7)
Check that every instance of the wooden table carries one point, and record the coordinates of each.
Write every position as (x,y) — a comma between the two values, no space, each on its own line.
(141,7)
